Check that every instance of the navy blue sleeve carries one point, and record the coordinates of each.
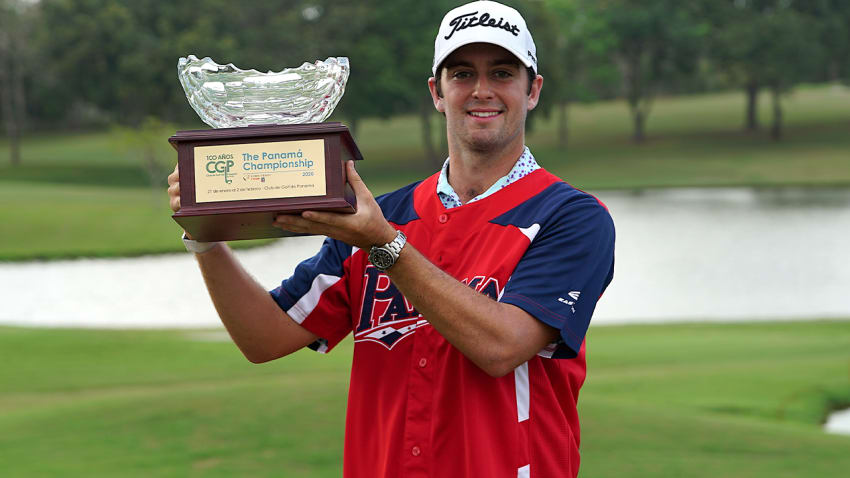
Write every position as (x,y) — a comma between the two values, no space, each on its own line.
(316,296)
(569,263)
(326,267)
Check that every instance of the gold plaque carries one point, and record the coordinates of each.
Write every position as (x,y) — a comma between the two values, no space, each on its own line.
(282,169)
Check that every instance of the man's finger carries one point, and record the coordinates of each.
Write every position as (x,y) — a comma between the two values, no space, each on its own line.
(296,223)
(304,227)
(288,226)
(354,179)
(174,177)
(288,220)
(329,218)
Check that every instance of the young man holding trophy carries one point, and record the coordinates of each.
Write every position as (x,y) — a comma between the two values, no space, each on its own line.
(468,294)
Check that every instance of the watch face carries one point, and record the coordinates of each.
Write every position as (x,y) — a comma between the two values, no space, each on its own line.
(381,259)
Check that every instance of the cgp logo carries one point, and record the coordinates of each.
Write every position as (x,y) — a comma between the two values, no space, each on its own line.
(221,164)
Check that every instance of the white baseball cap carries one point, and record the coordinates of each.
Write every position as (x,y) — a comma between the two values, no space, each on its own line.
(485,22)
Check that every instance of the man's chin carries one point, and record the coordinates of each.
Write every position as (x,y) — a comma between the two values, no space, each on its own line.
(484,142)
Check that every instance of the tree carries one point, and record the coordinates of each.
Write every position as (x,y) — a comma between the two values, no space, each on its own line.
(831,18)
(85,41)
(391,49)
(736,48)
(16,19)
(765,44)
(791,56)
(119,57)
(655,42)
(574,47)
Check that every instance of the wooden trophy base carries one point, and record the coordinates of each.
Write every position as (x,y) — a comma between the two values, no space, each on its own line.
(234,181)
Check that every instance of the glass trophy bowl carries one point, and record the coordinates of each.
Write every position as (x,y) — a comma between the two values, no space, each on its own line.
(269,151)
(225,96)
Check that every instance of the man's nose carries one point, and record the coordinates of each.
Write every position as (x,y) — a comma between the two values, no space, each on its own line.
(483,88)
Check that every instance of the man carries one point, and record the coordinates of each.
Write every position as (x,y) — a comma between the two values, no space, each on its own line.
(468,293)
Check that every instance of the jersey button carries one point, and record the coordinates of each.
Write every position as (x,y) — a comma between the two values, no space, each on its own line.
(415,451)
(423,362)
(443,218)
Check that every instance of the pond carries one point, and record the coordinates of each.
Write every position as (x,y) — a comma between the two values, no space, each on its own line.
(682,255)
(727,254)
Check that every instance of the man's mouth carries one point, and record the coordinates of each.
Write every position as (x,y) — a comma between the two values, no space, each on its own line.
(484,114)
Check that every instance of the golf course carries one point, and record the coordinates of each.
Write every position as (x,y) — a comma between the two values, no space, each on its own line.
(744,399)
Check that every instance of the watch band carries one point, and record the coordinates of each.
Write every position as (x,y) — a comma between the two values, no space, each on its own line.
(197,247)
(384,257)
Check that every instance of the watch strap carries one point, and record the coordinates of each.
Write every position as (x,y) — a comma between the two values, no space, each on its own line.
(396,244)
(197,247)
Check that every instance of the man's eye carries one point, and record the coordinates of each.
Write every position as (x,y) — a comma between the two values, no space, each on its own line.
(460,75)
(503,74)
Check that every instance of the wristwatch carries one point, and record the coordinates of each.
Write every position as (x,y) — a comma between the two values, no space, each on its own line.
(383,257)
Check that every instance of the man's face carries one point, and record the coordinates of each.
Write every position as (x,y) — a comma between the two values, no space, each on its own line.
(485,97)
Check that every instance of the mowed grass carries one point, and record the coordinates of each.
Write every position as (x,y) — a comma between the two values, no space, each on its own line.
(104,403)
(692,141)
(56,220)
(696,400)
(80,195)
(707,400)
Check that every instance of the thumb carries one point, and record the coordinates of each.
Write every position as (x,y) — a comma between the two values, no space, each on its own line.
(354,179)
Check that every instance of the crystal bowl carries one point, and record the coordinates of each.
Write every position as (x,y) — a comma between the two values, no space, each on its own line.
(225,96)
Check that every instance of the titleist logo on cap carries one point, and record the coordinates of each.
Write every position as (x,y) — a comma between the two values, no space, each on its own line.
(468,20)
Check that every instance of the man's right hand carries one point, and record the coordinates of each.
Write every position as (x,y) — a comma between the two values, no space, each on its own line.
(174,190)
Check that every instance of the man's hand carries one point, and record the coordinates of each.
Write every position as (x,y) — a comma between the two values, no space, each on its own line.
(174,190)
(364,229)
(497,337)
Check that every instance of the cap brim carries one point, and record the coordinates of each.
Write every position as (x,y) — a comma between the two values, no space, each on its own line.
(439,60)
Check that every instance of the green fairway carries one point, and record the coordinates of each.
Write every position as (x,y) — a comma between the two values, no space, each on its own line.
(700,400)
(54,220)
(80,195)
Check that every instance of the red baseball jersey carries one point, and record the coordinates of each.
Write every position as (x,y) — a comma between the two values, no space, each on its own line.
(417,407)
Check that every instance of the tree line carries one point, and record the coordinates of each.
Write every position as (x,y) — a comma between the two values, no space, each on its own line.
(89,63)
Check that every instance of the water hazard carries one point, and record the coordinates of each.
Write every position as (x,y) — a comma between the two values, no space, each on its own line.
(681,254)
(727,254)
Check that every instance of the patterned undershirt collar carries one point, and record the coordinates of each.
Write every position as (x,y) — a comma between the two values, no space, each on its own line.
(523,167)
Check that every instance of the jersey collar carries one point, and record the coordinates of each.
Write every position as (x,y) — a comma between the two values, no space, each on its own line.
(524,165)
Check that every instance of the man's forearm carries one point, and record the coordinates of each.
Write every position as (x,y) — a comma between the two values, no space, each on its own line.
(495,336)
(260,329)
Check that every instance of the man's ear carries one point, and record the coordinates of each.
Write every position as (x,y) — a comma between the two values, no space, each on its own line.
(534,95)
(438,101)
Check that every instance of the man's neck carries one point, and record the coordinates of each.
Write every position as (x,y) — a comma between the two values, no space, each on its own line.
(472,172)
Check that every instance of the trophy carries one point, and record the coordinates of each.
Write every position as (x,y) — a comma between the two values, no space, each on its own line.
(269,152)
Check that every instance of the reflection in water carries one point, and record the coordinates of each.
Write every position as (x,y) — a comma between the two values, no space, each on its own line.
(767,198)
(803,197)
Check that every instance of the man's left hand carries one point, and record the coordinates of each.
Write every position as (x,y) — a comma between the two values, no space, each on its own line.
(364,229)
